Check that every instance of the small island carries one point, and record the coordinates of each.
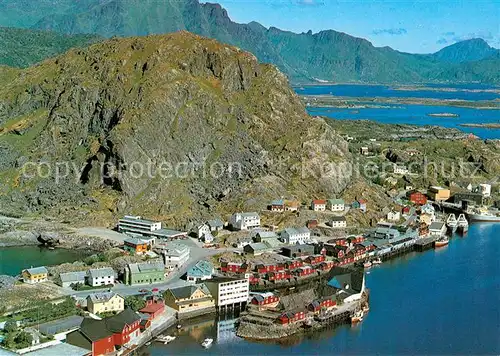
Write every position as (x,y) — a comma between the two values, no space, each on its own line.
(443,114)
(483,126)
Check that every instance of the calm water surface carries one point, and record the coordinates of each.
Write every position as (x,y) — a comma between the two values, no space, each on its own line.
(411,114)
(459,91)
(15,259)
(436,302)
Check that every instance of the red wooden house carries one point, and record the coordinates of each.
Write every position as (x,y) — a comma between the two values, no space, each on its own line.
(304,271)
(254,279)
(125,326)
(326,302)
(233,267)
(291,265)
(279,275)
(338,242)
(265,300)
(417,198)
(355,239)
(337,251)
(266,268)
(154,308)
(406,210)
(93,335)
(348,258)
(315,259)
(326,265)
(312,224)
(292,316)
(359,251)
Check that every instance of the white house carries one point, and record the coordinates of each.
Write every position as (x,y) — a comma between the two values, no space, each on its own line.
(244,221)
(175,255)
(318,205)
(393,216)
(437,228)
(201,230)
(400,169)
(485,190)
(294,236)
(138,225)
(228,291)
(335,205)
(337,222)
(101,277)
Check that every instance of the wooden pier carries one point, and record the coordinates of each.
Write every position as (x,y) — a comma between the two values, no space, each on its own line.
(425,243)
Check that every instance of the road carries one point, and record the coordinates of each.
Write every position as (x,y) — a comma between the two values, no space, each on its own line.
(173,280)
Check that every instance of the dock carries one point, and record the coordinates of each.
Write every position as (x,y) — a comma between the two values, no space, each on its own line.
(425,243)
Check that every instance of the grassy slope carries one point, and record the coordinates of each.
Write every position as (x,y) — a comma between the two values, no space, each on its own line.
(22,48)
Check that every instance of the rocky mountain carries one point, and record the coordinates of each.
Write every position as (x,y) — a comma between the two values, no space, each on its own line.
(327,55)
(173,127)
(22,48)
(475,49)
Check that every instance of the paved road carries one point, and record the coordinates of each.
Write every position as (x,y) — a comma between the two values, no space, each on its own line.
(173,280)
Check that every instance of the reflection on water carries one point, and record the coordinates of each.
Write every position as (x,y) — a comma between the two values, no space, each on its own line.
(420,303)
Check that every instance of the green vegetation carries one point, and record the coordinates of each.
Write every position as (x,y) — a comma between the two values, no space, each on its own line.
(17,340)
(23,48)
(46,311)
(134,302)
(327,55)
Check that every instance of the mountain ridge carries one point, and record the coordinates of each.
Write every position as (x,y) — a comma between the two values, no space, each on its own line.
(176,99)
(327,55)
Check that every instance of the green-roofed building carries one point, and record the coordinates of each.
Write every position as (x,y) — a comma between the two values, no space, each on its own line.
(144,273)
(201,271)
(335,204)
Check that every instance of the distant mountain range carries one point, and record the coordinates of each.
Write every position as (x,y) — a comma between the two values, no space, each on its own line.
(325,56)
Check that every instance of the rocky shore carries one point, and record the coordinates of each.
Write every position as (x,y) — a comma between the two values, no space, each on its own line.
(25,232)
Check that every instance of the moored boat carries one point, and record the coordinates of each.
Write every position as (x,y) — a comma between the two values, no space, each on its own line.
(357,317)
(442,242)
(367,264)
(462,224)
(207,343)
(165,338)
(377,261)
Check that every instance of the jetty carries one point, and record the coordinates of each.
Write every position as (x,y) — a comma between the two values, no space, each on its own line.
(425,243)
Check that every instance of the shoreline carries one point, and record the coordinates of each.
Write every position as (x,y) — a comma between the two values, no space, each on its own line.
(350,102)
(483,126)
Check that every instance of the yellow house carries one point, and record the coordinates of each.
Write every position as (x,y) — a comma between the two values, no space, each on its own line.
(438,193)
(189,298)
(35,275)
(105,302)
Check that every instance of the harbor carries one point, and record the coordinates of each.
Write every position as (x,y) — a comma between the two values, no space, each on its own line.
(397,302)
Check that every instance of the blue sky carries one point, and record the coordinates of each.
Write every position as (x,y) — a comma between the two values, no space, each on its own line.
(417,26)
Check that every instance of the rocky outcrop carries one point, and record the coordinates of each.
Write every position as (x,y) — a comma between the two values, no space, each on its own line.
(175,127)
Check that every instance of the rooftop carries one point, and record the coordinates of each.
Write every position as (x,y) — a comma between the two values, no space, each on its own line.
(72,276)
(101,272)
(101,297)
(37,270)
(146,267)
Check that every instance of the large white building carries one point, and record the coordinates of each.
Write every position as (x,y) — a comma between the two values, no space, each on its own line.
(292,236)
(138,225)
(175,255)
(244,221)
(437,228)
(101,277)
(228,291)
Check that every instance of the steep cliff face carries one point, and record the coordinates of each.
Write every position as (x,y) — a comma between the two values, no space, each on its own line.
(171,126)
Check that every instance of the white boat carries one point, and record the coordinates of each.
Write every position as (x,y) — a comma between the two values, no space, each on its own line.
(484,215)
(462,224)
(165,338)
(452,223)
(207,343)
(377,261)
(367,264)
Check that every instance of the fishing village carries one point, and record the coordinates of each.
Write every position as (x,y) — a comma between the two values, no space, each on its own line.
(281,282)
